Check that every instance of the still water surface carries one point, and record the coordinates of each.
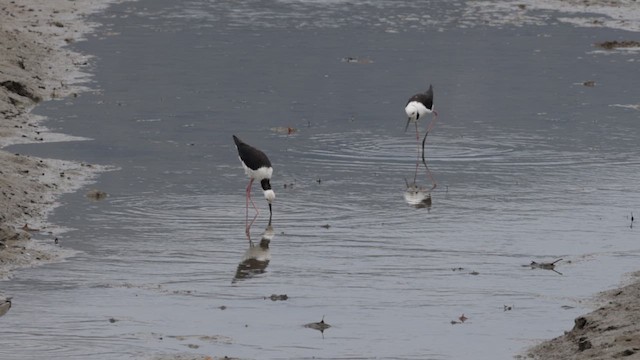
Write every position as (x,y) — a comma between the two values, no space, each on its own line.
(530,164)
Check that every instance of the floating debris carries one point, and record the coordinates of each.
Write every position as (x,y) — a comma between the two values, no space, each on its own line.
(112,320)
(5,305)
(275,297)
(320,326)
(461,320)
(589,83)
(615,44)
(546,266)
(326,226)
(96,194)
(508,307)
(355,60)
(285,130)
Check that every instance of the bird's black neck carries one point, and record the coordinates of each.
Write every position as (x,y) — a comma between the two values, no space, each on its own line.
(266,185)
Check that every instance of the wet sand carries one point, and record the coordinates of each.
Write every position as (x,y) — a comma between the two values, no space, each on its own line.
(36,66)
(610,332)
(34,30)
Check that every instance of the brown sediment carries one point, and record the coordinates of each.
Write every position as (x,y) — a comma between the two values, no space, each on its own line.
(36,66)
(610,332)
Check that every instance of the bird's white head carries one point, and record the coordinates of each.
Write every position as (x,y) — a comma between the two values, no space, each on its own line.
(412,111)
(269,195)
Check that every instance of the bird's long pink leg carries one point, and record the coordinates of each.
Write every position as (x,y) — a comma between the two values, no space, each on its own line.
(246,209)
(433,121)
(248,229)
(415,175)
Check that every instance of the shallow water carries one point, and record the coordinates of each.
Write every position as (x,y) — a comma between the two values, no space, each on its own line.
(530,164)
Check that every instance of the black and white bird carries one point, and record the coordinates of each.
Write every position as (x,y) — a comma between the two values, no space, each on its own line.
(257,166)
(418,106)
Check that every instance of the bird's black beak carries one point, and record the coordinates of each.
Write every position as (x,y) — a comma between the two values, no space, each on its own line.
(270,214)
(407,126)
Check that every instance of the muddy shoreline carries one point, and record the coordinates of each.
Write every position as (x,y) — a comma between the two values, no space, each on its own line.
(36,66)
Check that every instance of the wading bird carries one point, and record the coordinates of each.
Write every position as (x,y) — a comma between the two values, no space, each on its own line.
(417,107)
(257,166)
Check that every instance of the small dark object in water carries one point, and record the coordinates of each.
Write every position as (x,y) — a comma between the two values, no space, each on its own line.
(326,226)
(355,60)
(55,241)
(461,320)
(589,83)
(5,305)
(615,44)
(474,273)
(222,307)
(508,307)
(546,266)
(320,326)
(112,320)
(96,194)
(275,297)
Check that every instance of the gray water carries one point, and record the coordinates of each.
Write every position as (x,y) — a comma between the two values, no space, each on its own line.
(530,165)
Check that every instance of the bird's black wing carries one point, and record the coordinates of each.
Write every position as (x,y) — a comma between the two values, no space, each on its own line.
(425,98)
(250,156)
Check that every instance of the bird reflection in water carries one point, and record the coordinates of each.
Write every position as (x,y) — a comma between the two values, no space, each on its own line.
(417,196)
(256,258)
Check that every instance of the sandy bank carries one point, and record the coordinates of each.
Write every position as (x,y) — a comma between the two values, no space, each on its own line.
(610,332)
(35,66)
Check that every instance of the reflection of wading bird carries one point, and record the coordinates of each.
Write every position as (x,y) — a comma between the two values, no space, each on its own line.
(417,196)
(258,167)
(418,106)
(256,258)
